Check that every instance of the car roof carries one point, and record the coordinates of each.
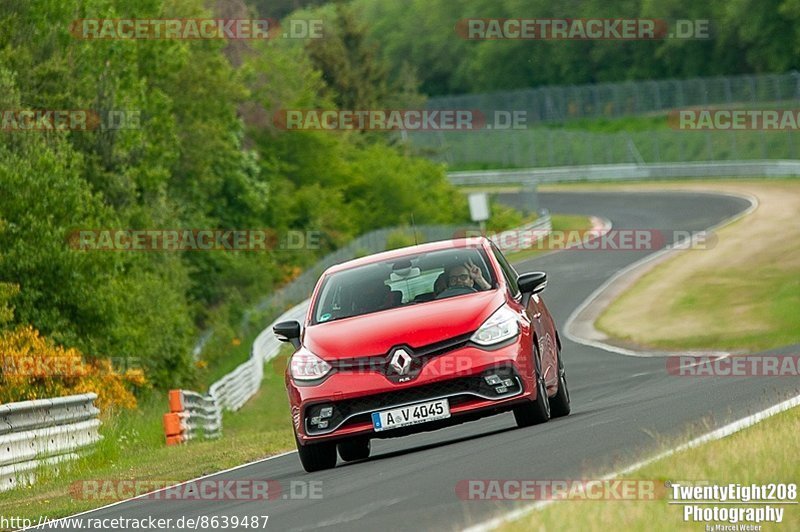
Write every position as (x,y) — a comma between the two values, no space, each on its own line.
(474,242)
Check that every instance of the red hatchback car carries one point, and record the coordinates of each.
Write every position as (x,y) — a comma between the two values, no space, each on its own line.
(416,339)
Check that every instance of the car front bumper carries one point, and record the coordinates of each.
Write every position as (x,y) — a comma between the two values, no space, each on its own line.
(459,376)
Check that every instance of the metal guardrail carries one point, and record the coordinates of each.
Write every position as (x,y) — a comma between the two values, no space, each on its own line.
(622,172)
(44,432)
(539,228)
(194,415)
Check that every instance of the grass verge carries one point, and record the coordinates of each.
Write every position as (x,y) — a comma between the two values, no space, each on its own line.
(763,454)
(741,294)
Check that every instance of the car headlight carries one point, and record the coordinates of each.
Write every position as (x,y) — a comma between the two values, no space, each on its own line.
(500,326)
(306,366)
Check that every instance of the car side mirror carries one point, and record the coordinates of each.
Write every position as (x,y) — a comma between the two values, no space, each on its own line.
(532,283)
(288,331)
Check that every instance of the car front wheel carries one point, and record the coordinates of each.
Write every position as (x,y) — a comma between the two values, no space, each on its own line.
(316,456)
(538,411)
(354,449)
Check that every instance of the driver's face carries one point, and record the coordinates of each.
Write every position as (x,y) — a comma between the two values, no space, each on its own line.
(459,277)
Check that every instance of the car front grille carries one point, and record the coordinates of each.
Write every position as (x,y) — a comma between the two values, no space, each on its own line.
(460,390)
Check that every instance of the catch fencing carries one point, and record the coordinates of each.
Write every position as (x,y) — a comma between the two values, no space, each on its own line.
(537,143)
(628,98)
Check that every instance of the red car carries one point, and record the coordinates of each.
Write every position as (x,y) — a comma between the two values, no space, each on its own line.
(416,339)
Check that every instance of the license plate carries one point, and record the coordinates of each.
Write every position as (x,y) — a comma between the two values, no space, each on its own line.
(411,415)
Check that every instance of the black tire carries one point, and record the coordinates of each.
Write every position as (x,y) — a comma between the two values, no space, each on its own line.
(317,456)
(559,403)
(538,411)
(357,449)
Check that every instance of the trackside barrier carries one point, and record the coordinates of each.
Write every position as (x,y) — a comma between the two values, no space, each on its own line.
(191,415)
(44,432)
(195,415)
(541,227)
(625,172)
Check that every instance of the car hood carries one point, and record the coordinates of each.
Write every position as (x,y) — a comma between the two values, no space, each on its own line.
(415,325)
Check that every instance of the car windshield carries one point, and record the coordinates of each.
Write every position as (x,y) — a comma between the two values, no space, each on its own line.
(403,281)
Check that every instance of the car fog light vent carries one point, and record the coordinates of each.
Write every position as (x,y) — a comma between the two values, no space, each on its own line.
(508,383)
(501,389)
(493,380)
(323,424)
(326,412)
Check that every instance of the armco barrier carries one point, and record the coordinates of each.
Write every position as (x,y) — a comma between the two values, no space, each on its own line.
(626,172)
(44,432)
(193,414)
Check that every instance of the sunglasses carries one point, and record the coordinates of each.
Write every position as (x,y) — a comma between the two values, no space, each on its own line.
(461,277)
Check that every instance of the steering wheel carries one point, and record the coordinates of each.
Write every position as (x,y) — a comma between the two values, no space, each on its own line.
(455,291)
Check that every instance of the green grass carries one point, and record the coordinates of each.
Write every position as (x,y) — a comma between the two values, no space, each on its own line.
(742,294)
(133,449)
(775,298)
(763,454)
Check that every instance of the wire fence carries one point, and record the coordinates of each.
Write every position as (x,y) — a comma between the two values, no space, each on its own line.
(615,100)
(552,147)
(542,145)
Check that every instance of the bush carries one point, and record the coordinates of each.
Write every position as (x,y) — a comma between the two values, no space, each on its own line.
(35,368)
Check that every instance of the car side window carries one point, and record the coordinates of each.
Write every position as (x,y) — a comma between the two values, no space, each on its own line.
(509,272)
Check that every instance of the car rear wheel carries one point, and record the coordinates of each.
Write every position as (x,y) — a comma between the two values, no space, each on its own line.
(559,403)
(316,456)
(538,411)
(354,449)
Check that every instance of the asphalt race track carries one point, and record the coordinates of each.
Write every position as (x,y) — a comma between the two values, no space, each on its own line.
(619,404)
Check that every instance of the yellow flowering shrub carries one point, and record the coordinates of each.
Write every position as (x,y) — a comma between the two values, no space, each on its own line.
(33,367)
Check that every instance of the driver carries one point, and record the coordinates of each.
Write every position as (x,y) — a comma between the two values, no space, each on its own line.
(466,275)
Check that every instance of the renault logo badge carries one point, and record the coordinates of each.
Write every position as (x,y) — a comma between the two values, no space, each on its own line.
(401,362)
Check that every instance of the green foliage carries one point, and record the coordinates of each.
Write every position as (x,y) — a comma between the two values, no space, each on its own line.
(747,36)
(205,156)
(400,239)
(503,217)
